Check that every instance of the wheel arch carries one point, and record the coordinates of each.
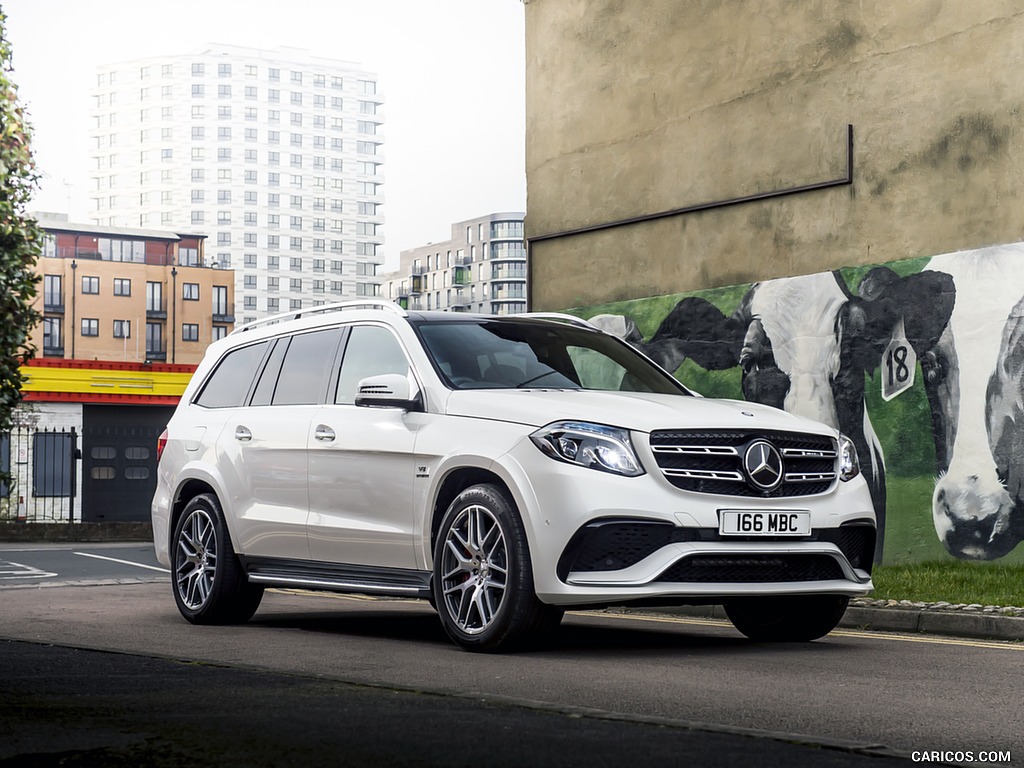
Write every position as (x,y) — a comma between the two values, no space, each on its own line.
(187,491)
(454,483)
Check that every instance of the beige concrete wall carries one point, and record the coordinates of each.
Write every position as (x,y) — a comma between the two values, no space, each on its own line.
(651,105)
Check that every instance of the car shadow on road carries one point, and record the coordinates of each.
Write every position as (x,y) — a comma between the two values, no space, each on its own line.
(586,634)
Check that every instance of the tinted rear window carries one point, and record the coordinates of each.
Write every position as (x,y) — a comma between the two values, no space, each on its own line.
(229,382)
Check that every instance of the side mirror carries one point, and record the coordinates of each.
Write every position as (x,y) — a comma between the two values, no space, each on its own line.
(388,390)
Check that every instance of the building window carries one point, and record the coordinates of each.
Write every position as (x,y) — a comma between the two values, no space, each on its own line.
(53,294)
(122,329)
(154,339)
(220,300)
(189,332)
(190,291)
(90,284)
(154,298)
(90,326)
(219,332)
(122,286)
(52,336)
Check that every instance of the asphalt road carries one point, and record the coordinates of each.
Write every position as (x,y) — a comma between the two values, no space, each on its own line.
(111,675)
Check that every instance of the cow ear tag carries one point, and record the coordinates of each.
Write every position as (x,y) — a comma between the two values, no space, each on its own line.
(899,362)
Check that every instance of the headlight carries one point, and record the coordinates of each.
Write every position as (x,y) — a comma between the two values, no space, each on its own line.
(596,446)
(849,465)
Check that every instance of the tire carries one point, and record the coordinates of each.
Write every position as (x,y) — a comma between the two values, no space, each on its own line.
(483,578)
(787,619)
(207,580)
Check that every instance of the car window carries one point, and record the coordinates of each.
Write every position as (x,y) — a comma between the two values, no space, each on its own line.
(264,391)
(229,383)
(304,371)
(502,354)
(371,350)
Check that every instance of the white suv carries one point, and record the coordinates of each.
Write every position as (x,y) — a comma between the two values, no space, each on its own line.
(504,468)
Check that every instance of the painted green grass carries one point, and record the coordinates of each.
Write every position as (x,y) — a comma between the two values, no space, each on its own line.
(952,581)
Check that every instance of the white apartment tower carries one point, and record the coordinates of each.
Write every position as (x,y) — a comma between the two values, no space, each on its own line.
(275,155)
(482,269)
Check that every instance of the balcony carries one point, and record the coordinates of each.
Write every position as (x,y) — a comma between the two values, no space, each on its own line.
(498,273)
(501,253)
(460,276)
(220,318)
(417,284)
(156,314)
(509,295)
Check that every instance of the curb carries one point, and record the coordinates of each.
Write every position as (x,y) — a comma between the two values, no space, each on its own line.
(924,621)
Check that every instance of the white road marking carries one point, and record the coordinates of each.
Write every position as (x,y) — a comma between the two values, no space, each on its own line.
(9,570)
(122,562)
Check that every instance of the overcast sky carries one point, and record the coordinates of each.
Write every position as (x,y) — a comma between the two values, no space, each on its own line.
(451,73)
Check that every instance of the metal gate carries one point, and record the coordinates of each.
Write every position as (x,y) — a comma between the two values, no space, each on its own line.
(119,461)
(38,474)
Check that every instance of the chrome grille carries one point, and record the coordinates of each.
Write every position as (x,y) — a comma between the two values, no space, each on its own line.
(711,461)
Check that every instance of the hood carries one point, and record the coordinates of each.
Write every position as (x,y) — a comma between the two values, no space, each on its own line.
(637,411)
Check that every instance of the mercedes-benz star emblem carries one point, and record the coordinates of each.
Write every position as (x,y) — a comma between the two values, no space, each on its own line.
(763,465)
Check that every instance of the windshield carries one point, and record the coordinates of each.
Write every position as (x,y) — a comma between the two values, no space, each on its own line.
(508,354)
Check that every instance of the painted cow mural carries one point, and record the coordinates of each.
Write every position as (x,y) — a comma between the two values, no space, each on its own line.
(806,343)
(977,398)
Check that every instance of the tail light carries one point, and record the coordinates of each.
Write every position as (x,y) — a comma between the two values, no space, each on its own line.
(161,443)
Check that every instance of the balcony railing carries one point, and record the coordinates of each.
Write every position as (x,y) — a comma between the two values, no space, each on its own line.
(508,274)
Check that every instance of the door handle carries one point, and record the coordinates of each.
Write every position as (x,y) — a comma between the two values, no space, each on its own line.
(323,433)
(242,434)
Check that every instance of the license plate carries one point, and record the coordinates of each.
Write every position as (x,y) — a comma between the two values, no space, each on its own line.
(754,523)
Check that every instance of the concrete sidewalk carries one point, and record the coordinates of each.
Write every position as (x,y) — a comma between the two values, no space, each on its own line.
(974,621)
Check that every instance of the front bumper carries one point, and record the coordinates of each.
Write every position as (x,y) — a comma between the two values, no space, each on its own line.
(691,563)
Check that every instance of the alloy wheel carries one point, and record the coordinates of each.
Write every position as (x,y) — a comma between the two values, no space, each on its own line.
(474,569)
(196,559)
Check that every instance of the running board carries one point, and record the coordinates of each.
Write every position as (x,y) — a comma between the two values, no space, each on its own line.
(336,577)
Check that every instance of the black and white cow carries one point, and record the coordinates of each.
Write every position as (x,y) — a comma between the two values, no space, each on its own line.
(977,398)
(806,343)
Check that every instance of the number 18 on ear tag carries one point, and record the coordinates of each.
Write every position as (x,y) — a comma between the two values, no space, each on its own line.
(898,364)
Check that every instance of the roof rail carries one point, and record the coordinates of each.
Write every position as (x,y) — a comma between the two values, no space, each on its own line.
(560,317)
(284,317)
